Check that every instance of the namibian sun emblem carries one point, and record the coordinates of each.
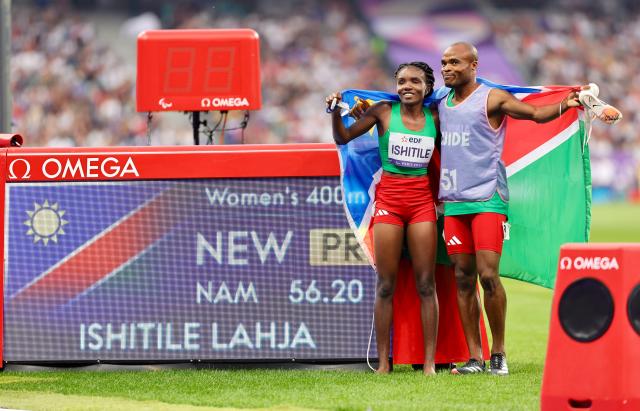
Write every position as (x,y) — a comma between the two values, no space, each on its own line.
(45,222)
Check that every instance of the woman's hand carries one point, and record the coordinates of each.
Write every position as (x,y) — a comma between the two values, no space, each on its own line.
(332,101)
(359,108)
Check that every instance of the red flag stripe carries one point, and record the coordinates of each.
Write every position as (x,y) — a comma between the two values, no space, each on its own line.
(102,255)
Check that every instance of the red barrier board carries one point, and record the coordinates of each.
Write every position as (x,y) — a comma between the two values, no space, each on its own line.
(593,348)
(129,163)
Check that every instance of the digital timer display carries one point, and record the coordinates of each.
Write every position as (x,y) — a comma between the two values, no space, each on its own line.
(198,70)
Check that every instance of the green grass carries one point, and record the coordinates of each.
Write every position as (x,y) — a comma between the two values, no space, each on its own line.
(616,223)
(527,330)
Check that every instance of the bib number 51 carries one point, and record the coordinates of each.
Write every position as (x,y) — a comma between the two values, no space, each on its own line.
(448,179)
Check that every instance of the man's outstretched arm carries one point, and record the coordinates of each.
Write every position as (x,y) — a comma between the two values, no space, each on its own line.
(501,101)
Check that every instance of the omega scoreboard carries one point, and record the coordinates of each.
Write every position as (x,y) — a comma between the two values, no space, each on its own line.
(198,70)
(181,253)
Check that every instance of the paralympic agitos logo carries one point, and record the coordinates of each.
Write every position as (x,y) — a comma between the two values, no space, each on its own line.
(83,167)
(589,263)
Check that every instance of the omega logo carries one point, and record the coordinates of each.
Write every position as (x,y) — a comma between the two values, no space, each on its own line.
(21,175)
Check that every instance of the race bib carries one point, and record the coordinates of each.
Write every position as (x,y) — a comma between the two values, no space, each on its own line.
(408,150)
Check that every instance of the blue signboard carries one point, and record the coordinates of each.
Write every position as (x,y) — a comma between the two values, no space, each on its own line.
(211,269)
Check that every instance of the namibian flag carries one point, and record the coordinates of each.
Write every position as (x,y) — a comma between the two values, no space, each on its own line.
(548,174)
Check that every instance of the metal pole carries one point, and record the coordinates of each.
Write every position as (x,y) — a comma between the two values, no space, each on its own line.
(196,127)
(5,56)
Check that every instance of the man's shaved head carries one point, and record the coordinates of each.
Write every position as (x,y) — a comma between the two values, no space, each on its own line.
(468,49)
(459,63)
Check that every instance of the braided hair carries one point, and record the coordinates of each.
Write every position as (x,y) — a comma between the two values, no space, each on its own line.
(428,73)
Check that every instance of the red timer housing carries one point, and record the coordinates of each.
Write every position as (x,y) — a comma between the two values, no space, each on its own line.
(198,70)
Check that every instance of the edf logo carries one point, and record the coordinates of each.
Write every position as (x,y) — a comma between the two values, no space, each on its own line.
(406,139)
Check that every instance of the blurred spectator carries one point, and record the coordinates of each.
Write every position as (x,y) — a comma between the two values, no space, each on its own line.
(69,89)
(573,43)
(305,56)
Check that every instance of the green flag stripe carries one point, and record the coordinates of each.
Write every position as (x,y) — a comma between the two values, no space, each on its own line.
(549,207)
(542,150)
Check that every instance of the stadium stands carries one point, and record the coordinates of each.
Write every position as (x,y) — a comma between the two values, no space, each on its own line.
(562,47)
(71,89)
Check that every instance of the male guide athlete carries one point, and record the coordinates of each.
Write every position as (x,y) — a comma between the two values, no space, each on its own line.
(473,187)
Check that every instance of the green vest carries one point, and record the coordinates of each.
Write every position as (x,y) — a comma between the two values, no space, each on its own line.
(405,151)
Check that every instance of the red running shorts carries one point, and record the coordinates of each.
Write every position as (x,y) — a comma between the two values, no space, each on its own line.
(466,234)
(403,200)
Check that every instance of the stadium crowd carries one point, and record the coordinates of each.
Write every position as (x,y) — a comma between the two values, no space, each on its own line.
(556,47)
(68,90)
(71,89)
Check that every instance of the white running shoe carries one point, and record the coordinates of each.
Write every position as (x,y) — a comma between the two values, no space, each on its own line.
(498,364)
(605,112)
